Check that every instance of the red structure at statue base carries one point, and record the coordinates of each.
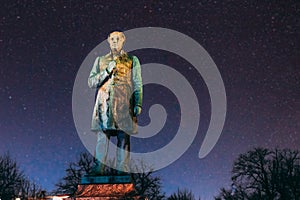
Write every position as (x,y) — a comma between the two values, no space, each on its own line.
(105,191)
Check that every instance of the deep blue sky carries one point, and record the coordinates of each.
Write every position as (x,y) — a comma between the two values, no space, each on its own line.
(254,45)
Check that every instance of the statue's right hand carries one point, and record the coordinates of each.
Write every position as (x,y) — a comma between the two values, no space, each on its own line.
(111,66)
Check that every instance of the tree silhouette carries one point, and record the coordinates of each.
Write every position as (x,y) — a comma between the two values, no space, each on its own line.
(74,173)
(146,185)
(13,182)
(10,177)
(265,174)
(182,194)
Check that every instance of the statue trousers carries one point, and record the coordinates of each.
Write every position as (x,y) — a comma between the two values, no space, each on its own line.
(122,151)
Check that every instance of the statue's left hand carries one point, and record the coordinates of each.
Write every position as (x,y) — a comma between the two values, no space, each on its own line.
(137,111)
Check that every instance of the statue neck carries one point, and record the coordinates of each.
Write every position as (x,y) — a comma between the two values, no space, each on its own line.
(116,54)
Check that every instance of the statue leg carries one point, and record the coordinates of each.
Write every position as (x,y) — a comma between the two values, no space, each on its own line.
(101,153)
(123,151)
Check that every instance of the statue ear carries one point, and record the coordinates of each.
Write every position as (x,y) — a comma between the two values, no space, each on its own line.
(124,38)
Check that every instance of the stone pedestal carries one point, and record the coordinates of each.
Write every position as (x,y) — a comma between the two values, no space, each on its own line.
(106,187)
(105,179)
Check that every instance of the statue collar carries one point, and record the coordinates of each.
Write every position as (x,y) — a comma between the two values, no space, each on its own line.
(122,52)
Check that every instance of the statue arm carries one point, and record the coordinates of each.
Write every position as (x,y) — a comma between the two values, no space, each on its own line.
(137,83)
(96,76)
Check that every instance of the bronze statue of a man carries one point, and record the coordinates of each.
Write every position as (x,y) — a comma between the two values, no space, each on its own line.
(117,78)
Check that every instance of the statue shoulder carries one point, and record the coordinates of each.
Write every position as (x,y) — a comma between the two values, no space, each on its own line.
(135,60)
(132,57)
(107,56)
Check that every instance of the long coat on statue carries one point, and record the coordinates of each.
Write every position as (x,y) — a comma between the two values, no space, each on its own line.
(117,93)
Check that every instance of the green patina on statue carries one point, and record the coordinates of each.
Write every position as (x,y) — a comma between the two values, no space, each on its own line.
(117,78)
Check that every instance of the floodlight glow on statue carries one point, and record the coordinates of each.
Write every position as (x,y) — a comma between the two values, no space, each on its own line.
(117,79)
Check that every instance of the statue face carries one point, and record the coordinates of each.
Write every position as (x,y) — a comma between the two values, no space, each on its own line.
(116,41)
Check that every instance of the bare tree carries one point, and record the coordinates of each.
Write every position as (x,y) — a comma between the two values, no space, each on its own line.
(265,174)
(250,171)
(13,182)
(146,184)
(10,177)
(74,172)
(31,190)
(232,194)
(285,173)
(182,194)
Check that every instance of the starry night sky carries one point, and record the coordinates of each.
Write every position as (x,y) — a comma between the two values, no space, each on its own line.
(254,45)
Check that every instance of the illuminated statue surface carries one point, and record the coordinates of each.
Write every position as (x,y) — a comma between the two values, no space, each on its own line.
(117,79)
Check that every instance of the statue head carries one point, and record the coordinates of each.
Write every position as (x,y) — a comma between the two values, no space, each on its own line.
(116,40)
